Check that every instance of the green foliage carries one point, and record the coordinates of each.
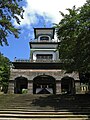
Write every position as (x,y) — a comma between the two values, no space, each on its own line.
(9,11)
(24,91)
(4,72)
(74,33)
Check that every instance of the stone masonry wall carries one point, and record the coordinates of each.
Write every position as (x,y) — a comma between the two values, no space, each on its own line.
(31,74)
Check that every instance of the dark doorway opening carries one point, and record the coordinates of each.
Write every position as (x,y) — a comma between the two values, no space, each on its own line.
(84,77)
(44,84)
(20,84)
(85,81)
(67,85)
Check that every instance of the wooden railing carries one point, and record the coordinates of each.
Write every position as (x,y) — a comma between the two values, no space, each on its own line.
(37,61)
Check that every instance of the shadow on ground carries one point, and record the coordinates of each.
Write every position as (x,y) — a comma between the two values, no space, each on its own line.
(76,104)
(72,103)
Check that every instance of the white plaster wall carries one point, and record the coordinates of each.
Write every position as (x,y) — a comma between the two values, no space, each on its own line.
(57,55)
(47,46)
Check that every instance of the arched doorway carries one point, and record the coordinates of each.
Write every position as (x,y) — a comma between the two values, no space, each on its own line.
(20,83)
(44,84)
(67,85)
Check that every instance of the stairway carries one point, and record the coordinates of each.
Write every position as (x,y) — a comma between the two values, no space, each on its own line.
(47,115)
(47,107)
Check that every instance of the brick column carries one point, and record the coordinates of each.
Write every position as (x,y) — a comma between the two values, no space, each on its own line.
(58,87)
(77,87)
(30,87)
(11,87)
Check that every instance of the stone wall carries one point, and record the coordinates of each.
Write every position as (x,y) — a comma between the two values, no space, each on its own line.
(31,74)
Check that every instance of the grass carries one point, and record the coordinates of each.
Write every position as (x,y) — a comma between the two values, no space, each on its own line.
(13,101)
(45,102)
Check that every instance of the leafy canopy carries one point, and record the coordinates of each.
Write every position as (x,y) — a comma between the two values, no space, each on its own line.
(74,33)
(9,11)
(4,71)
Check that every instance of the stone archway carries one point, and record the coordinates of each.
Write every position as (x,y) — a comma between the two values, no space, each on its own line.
(44,84)
(67,85)
(20,83)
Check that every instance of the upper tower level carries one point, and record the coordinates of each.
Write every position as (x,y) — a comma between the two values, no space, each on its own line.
(44,47)
(44,38)
(44,34)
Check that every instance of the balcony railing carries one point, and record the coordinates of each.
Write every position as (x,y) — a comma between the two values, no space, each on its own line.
(41,41)
(37,61)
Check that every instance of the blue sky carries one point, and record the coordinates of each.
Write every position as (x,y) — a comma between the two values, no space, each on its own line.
(37,12)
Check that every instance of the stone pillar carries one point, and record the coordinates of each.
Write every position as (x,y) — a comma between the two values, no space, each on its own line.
(11,87)
(58,87)
(30,87)
(77,87)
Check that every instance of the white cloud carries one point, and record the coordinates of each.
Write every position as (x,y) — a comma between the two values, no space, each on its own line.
(48,8)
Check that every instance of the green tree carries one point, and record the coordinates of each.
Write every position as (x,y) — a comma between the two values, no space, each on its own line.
(9,11)
(4,72)
(74,33)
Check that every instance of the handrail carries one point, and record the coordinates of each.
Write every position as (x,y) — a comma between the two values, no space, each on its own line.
(41,41)
(37,61)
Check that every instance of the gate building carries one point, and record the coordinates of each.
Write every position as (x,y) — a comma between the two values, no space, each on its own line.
(43,73)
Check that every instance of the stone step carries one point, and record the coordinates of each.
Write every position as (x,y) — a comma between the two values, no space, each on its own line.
(61,110)
(50,108)
(44,119)
(41,115)
(45,112)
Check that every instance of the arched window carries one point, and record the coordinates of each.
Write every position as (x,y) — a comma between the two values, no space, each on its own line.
(44,38)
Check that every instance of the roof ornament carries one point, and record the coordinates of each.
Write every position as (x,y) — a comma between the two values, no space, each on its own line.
(44,23)
(44,16)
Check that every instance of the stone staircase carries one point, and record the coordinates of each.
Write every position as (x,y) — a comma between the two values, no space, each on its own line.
(47,115)
(47,107)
